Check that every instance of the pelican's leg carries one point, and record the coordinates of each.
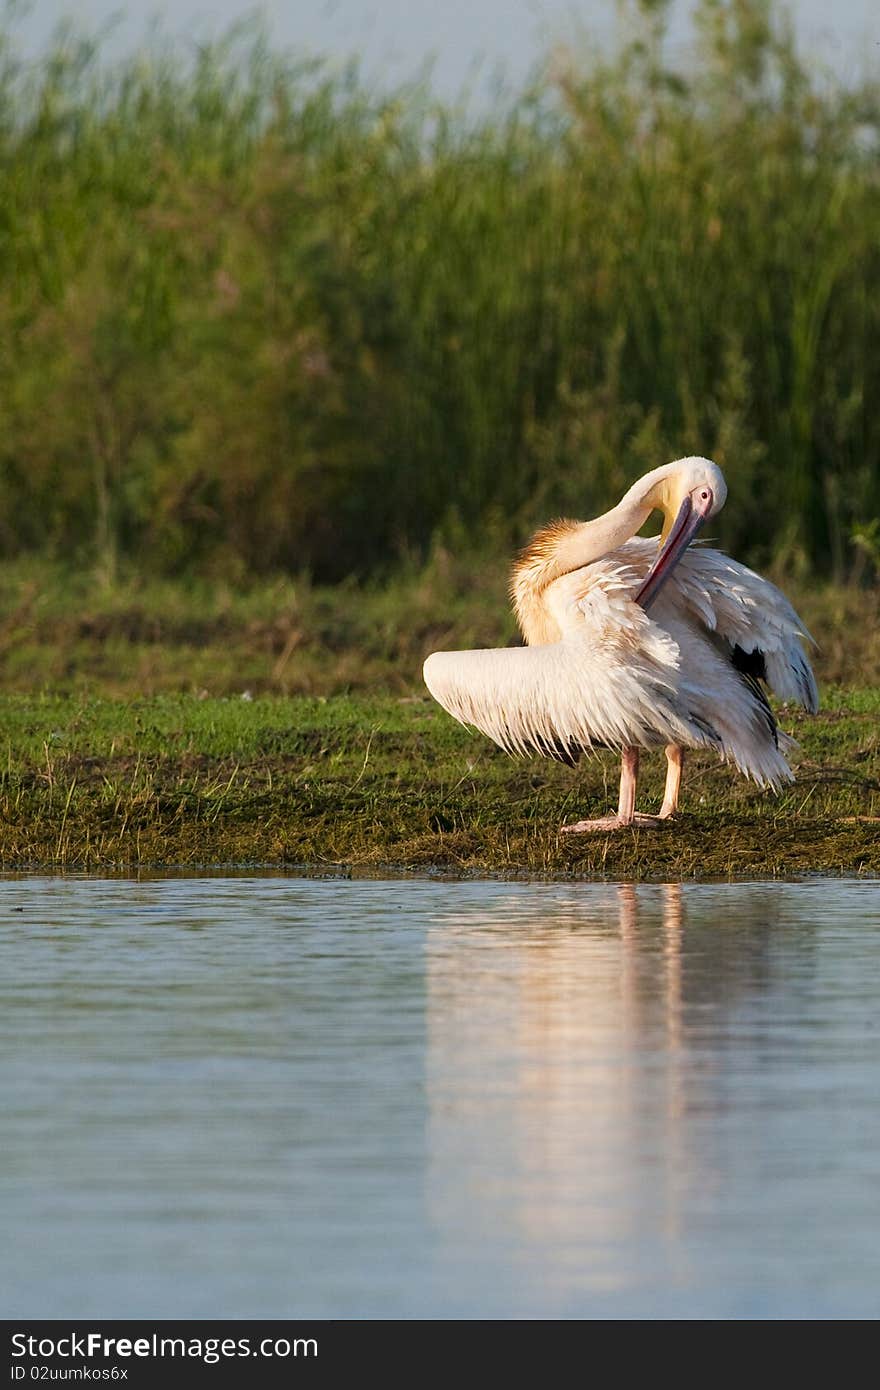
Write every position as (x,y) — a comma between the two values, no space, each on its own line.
(674,765)
(626,805)
(629,776)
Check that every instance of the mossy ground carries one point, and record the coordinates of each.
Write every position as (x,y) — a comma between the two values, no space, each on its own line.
(89,783)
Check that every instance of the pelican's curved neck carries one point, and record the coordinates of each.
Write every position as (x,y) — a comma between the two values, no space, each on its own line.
(564,546)
(590,540)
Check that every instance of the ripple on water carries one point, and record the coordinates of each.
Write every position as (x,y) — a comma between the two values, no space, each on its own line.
(240,1097)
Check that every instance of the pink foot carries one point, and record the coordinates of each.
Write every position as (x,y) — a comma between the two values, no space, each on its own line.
(607,823)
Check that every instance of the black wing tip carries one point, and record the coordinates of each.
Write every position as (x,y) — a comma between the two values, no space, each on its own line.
(751,664)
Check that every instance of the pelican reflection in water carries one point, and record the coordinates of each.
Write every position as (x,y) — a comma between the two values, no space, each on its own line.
(562,1045)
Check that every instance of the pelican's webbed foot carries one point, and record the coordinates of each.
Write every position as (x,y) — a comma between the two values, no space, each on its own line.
(606,823)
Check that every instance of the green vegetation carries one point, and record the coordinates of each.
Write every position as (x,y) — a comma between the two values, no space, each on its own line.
(288,368)
(361,781)
(255,318)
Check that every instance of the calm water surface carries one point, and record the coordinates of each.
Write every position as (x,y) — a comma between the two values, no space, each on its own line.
(277,1097)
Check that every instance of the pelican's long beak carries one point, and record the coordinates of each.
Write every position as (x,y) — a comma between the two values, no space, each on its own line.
(685,526)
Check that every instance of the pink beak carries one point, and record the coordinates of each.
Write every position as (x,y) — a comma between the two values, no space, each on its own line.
(686,525)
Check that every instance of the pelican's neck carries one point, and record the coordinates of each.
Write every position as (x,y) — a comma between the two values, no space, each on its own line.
(590,540)
(564,546)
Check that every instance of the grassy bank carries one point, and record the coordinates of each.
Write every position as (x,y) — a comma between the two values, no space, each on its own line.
(287,724)
(354,781)
(256,318)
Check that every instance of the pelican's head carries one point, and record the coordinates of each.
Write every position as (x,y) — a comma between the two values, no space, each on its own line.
(669,487)
(687,492)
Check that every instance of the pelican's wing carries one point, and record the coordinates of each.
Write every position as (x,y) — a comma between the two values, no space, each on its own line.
(614,680)
(750,618)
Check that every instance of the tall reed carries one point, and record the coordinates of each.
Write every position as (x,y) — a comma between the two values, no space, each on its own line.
(255,316)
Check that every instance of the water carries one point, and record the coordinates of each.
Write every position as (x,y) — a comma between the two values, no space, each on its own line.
(277,1097)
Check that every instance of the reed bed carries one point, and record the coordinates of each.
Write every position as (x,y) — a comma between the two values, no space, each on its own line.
(256,318)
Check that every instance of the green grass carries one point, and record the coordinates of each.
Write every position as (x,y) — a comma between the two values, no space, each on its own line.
(361,781)
(61,630)
(288,724)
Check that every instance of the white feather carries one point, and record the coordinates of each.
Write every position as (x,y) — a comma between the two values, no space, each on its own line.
(721,596)
(620,676)
(613,679)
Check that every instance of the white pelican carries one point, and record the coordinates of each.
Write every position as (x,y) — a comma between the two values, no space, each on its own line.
(597,670)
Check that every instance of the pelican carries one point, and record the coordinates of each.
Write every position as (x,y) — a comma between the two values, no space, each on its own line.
(601,670)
